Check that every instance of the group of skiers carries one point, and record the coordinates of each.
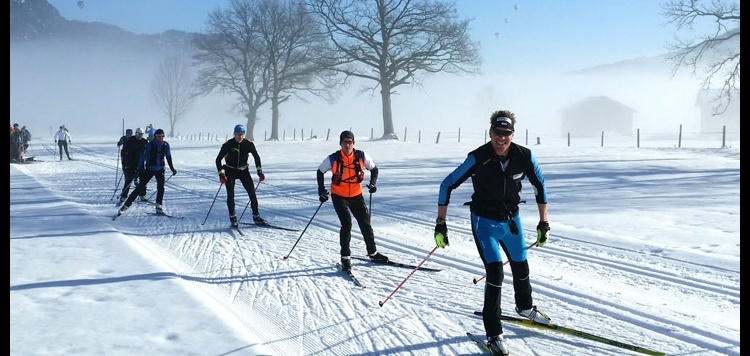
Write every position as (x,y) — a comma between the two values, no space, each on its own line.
(143,159)
(21,136)
(496,169)
(19,142)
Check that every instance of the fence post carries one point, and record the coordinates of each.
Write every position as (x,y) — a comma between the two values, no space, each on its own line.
(679,139)
(568,139)
(638,138)
(459,135)
(437,140)
(602,144)
(724,136)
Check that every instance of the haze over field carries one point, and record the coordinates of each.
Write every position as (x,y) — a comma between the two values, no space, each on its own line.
(92,87)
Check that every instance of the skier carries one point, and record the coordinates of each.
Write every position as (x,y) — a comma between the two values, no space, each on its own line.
(151,164)
(496,170)
(235,154)
(131,154)
(62,138)
(347,166)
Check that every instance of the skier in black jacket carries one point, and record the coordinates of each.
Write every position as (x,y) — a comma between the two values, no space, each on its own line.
(496,169)
(235,154)
(131,153)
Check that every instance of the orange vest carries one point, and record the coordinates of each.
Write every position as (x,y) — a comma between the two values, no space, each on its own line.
(345,182)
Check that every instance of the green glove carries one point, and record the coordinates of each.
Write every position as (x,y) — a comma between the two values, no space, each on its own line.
(441,233)
(542,233)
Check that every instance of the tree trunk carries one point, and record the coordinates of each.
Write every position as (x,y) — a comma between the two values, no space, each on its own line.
(385,94)
(274,118)
(252,116)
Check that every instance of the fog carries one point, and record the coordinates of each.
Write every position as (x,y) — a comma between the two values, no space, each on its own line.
(93,88)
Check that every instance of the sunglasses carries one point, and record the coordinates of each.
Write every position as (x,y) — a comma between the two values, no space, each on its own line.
(498,132)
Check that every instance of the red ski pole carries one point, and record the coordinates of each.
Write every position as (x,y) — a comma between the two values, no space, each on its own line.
(407,277)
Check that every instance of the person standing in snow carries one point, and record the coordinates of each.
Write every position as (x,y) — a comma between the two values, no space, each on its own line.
(151,164)
(347,166)
(235,154)
(16,144)
(62,138)
(131,154)
(496,169)
(26,137)
(120,145)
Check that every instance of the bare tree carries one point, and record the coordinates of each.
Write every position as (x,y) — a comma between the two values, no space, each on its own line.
(231,61)
(716,53)
(294,49)
(171,90)
(391,41)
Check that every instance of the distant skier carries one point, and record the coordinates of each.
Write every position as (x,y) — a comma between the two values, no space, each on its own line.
(62,138)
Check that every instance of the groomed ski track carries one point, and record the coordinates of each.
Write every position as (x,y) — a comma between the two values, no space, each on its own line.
(301,306)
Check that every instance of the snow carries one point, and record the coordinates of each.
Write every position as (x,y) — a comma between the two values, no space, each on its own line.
(644,249)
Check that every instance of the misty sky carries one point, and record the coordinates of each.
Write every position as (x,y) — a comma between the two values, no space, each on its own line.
(94,89)
(514,34)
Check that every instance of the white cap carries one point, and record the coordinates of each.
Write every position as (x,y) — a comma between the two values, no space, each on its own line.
(139,130)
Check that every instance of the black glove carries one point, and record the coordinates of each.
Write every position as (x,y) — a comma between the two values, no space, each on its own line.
(542,233)
(441,233)
(372,188)
(322,195)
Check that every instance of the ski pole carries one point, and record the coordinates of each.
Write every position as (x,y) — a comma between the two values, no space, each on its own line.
(165,183)
(407,277)
(476,280)
(212,204)
(303,231)
(117,173)
(248,203)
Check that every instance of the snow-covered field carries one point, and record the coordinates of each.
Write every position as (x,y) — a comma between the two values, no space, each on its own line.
(644,250)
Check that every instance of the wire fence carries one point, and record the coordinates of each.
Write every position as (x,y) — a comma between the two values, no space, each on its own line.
(677,139)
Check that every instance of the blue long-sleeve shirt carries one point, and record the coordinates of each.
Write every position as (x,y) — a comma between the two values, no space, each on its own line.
(154,155)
